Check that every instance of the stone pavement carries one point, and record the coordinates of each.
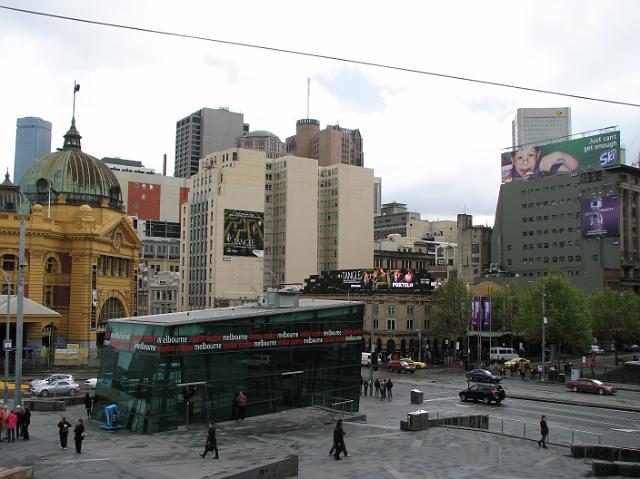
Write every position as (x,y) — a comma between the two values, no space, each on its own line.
(377,448)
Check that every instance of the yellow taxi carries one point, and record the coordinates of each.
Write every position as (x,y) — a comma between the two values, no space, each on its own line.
(417,364)
(515,363)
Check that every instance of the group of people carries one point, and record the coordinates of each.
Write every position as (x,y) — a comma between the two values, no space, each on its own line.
(79,433)
(383,388)
(14,423)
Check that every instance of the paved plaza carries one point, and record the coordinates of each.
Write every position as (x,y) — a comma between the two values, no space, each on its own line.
(377,448)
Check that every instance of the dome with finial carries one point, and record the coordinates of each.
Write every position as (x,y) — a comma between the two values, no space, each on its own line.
(79,177)
(11,199)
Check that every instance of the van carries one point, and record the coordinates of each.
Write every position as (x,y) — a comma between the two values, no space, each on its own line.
(502,354)
(366,359)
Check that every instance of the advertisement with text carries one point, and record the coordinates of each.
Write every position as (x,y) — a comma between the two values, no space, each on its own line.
(243,233)
(600,215)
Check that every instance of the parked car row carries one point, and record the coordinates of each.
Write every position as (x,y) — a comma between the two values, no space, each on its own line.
(59,385)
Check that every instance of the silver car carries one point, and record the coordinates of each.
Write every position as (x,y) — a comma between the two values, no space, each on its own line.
(62,387)
(53,377)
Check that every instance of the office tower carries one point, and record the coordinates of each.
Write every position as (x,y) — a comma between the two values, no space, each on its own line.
(582,221)
(332,146)
(33,141)
(203,132)
(540,126)
(222,240)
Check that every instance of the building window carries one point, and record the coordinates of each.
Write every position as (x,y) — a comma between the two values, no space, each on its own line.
(410,309)
(9,262)
(409,324)
(391,310)
(391,324)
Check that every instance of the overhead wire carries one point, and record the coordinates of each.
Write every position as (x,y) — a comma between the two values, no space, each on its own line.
(319,55)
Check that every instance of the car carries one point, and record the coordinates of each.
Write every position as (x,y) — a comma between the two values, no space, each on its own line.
(591,386)
(400,366)
(59,387)
(51,378)
(595,349)
(417,364)
(484,392)
(514,364)
(91,383)
(631,348)
(482,375)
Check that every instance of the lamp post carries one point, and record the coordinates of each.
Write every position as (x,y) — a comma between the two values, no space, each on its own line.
(372,347)
(7,340)
(544,320)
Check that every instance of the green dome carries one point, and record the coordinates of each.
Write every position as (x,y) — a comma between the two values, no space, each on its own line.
(81,178)
(261,134)
(11,199)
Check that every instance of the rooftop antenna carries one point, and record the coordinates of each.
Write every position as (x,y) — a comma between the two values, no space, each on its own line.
(308,95)
(76,89)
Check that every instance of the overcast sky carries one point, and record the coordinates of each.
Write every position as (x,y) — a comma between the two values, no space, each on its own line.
(435,142)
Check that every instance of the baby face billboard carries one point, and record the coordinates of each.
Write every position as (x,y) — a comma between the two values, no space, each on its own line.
(243,233)
(532,162)
(600,216)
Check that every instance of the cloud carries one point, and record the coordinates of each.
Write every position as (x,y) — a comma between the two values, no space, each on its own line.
(228,67)
(352,88)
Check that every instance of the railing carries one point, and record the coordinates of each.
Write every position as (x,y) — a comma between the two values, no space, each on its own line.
(560,435)
(343,405)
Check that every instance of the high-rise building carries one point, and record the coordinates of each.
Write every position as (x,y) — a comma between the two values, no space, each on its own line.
(252,221)
(203,132)
(540,126)
(332,146)
(33,141)
(473,253)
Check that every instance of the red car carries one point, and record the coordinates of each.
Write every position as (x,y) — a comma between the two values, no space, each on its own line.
(591,386)
(401,366)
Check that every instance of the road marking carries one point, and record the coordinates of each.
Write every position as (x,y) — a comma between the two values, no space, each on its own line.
(624,430)
(440,399)
(555,410)
(88,460)
(416,444)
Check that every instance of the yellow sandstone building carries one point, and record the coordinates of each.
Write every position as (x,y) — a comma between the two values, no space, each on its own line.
(81,250)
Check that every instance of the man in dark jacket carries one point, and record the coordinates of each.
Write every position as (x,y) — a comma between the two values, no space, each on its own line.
(338,441)
(26,420)
(544,432)
(389,385)
(20,415)
(79,435)
(212,444)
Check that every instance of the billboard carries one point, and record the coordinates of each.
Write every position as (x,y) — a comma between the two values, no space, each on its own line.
(369,281)
(600,215)
(243,233)
(532,162)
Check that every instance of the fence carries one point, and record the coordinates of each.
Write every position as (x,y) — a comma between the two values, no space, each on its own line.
(559,435)
(331,401)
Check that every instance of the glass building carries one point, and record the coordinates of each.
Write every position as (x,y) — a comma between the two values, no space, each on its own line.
(33,141)
(168,370)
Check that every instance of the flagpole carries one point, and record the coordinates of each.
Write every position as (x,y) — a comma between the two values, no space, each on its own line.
(76,87)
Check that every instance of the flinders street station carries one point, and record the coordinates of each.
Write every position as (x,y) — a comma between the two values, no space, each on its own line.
(80,254)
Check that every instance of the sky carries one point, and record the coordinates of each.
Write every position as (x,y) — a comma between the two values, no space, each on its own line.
(435,142)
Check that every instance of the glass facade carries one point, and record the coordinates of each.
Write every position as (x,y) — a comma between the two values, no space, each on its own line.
(183,368)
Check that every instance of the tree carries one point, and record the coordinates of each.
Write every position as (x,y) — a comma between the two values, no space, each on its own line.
(615,316)
(452,308)
(568,321)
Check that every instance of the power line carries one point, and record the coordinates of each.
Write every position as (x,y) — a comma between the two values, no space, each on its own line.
(318,55)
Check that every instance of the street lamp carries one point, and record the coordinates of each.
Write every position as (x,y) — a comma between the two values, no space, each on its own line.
(7,339)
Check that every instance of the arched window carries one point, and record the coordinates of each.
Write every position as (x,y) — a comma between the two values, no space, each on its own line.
(391,346)
(111,309)
(51,266)
(403,347)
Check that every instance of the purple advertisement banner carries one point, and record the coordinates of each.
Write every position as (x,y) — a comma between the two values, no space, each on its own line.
(600,216)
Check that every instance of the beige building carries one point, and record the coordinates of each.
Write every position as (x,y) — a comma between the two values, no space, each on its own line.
(221,243)
(331,146)
(345,217)
(438,230)
(291,207)
(473,254)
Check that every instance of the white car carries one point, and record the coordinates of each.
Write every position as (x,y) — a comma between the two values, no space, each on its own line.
(61,387)
(595,349)
(50,379)
(90,383)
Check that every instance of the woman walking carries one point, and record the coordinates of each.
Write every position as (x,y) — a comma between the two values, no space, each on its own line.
(212,444)
(79,435)
(63,431)
(88,404)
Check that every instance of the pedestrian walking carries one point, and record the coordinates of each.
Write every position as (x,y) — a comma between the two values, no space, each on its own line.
(63,431)
(78,435)
(522,372)
(3,425)
(389,388)
(544,432)
(377,386)
(338,441)
(383,390)
(212,444)
(26,421)
(540,371)
(12,421)
(5,421)
(88,403)
(366,386)
(242,405)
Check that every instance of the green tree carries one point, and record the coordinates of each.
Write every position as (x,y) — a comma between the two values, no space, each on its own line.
(503,301)
(566,309)
(451,312)
(615,316)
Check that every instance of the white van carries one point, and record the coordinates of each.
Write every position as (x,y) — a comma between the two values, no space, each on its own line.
(366,359)
(502,354)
